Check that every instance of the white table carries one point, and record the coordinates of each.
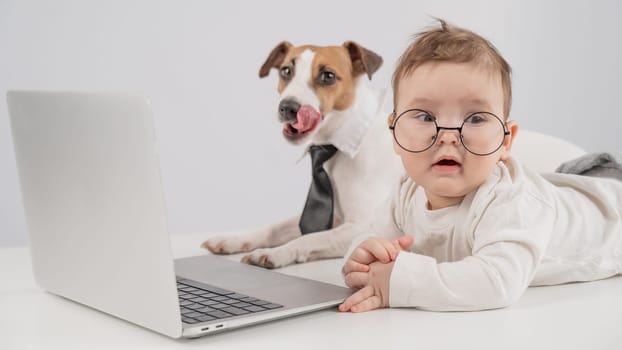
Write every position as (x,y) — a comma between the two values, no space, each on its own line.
(573,316)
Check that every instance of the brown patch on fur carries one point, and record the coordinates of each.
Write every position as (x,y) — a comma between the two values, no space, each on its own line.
(340,95)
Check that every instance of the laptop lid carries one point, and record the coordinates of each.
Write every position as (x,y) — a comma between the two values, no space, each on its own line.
(95,211)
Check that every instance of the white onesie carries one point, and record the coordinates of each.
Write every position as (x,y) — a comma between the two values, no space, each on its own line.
(519,228)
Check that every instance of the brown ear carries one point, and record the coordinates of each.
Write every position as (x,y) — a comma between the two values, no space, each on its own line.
(275,58)
(363,60)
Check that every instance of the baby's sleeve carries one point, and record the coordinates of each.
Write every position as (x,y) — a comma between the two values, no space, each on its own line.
(508,244)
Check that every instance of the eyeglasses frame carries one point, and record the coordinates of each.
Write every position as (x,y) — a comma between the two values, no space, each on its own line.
(506,132)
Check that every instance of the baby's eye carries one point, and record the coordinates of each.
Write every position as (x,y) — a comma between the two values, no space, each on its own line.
(425,118)
(476,119)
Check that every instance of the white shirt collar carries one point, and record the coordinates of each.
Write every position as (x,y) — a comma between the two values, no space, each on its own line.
(358,119)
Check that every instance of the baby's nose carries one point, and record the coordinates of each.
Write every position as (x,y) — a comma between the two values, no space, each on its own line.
(448,137)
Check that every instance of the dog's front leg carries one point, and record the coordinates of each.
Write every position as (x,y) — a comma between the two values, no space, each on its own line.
(272,236)
(331,243)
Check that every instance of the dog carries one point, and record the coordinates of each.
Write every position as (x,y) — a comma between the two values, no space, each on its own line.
(331,83)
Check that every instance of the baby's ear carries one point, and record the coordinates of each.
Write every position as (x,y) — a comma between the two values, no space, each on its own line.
(390,121)
(512,127)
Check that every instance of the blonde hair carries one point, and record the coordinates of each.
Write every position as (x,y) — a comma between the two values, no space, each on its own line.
(453,44)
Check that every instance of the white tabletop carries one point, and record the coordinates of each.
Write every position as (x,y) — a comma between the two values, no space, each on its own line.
(572,316)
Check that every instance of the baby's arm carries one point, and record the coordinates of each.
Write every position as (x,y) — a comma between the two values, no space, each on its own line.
(492,279)
(507,248)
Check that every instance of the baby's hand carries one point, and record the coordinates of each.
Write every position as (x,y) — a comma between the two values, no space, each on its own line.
(375,294)
(372,250)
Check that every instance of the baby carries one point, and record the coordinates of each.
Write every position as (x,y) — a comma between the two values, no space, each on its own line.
(469,228)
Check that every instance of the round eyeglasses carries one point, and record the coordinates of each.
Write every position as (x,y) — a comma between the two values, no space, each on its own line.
(481,133)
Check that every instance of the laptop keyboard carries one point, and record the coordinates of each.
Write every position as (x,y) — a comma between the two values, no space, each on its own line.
(200,302)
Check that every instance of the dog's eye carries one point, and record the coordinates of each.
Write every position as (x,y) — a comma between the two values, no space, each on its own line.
(286,73)
(327,78)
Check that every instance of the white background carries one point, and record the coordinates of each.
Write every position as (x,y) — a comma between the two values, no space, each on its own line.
(225,165)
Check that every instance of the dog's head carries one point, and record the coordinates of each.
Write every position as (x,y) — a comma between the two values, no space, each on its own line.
(315,81)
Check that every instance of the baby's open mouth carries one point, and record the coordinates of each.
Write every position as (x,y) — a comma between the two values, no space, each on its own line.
(447,162)
(447,165)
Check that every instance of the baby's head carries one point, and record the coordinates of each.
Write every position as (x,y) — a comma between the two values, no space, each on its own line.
(447,43)
(452,96)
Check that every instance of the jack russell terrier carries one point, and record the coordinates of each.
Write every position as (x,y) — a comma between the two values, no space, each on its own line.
(326,99)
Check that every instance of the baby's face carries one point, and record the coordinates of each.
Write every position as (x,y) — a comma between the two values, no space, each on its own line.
(451,92)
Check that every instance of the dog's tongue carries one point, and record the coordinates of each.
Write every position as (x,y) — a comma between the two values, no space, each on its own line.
(306,118)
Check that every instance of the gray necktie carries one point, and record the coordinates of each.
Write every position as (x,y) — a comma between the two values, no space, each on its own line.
(318,212)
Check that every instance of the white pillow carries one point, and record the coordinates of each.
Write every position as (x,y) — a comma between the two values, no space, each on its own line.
(543,153)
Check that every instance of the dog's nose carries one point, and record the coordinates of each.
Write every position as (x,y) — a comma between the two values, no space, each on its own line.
(288,110)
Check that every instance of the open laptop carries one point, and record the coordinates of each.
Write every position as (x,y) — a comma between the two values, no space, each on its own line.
(95,213)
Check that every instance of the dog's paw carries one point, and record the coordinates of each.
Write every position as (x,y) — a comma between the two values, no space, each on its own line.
(270,258)
(227,245)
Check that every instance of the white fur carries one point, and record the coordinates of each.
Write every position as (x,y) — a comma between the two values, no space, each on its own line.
(361,177)
(299,87)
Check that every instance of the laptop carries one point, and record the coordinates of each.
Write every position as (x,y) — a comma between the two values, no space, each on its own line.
(95,213)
